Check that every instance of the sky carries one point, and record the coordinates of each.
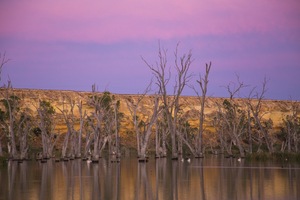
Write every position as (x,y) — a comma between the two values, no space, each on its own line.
(70,45)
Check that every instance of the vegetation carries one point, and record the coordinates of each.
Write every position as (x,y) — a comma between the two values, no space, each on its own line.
(87,125)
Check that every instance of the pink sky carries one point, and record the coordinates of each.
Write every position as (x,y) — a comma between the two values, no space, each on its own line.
(101,42)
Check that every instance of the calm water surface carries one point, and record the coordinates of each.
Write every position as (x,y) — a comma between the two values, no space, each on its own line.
(209,178)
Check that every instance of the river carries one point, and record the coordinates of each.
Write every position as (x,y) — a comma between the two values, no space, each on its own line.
(212,177)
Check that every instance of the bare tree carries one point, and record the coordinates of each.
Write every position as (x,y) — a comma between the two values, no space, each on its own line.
(111,124)
(292,128)
(161,133)
(68,115)
(11,103)
(89,137)
(142,136)
(116,153)
(25,123)
(46,124)
(95,121)
(250,127)
(219,126)
(82,116)
(203,83)
(6,94)
(148,128)
(100,121)
(13,121)
(255,108)
(231,119)
(171,103)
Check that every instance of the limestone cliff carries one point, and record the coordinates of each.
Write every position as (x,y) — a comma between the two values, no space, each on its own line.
(273,109)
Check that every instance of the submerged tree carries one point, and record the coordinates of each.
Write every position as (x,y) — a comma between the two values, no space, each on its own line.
(255,107)
(203,84)
(25,123)
(231,120)
(82,118)
(171,104)
(11,104)
(102,121)
(15,122)
(144,126)
(69,118)
(46,125)
(292,128)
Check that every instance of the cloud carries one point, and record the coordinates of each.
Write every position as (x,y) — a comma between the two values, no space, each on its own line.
(113,21)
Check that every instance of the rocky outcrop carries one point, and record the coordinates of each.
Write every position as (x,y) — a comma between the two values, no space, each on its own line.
(273,109)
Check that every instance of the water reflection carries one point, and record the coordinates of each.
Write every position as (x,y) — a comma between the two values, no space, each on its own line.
(209,178)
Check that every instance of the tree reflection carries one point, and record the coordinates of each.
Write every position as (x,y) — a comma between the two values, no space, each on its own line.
(47,177)
(143,188)
(202,188)
(12,167)
(218,178)
(117,181)
(174,180)
(162,178)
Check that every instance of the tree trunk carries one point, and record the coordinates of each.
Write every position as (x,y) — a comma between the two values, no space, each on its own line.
(117,144)
(96,143)
(173,137)
(249,132)
(266,135)
(23,141)
(11,139)
(182,77)
(203,83)
(288,136)
(65,145)
(11,112)
(157,141)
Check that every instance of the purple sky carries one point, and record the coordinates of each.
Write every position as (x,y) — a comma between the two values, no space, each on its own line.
(70,45)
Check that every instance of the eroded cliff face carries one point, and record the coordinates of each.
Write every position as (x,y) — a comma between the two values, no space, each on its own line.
(271,109)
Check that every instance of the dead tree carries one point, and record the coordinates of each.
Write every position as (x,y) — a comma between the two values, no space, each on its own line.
(171,103)
(117,115)
(133,107)
(95,121)
(89,136)
(11,104)
(161,133)
(46,124)
(25,124)
(99,119)
(14,121)
(255,108)
(250,127)
(3,61)
(292,128)
(233,120)
(82,117)
(111,124)
(69,118)
(219,126)
(203,83)
(182,66)
(144,126)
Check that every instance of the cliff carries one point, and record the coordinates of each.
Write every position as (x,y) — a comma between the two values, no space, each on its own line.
(272,109)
